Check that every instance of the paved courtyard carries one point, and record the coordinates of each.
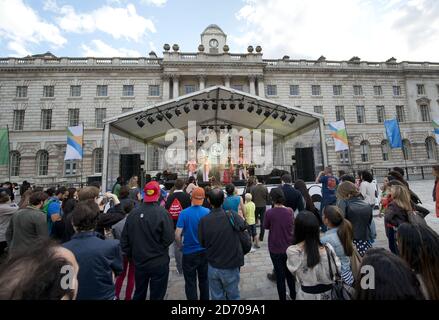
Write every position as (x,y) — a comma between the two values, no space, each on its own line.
(254,284)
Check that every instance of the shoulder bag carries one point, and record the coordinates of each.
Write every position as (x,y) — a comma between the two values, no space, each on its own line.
(340,290)
(244,236)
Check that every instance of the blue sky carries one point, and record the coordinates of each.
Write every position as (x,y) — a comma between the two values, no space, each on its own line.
(339,29)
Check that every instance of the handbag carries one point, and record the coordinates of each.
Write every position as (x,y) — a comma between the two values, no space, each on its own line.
(243,233)
(340,290)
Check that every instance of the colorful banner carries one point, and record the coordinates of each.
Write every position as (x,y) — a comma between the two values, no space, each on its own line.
(4,146)
(339,134)
(436,129)
(74,143)
(393,133)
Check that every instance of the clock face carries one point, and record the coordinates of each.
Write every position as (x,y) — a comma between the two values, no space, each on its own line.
(213,43)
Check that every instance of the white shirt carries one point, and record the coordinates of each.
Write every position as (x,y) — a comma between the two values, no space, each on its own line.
(368,189)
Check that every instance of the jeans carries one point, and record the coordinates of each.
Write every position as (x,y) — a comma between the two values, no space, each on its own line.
(282,273)
(196,264)
(224,283)
(259,214)
(156,277)
(178,256)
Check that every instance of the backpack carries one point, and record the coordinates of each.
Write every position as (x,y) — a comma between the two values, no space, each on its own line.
(46,206)
(175,209)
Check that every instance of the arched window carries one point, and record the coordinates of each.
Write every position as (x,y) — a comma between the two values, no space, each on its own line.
(430,145)
(406,149)
(42,163)
(98,160)
(15,159)
(364,151)
(385,150)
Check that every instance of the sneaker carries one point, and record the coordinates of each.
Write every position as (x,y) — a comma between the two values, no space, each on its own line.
(257,246)
(252,250)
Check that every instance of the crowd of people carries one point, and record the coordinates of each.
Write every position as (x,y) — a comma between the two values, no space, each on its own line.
(87,244)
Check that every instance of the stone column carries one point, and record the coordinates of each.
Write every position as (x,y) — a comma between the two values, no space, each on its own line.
(227,81)
(202,81)
(166,92)
(261,87)
(175,87)
(252,80)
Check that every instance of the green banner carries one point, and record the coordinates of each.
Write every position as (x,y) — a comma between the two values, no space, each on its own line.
(4,147)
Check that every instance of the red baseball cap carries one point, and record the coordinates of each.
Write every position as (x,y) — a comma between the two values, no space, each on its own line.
(152,192)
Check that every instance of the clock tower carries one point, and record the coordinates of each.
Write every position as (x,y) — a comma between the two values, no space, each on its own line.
(213,39)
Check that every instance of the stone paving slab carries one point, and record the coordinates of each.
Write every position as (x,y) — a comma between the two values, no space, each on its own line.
(254,284)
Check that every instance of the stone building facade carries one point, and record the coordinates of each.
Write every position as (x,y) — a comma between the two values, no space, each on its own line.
(43,94)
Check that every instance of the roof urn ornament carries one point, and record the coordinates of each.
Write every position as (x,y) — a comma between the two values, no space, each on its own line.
(166,47)
(250,49)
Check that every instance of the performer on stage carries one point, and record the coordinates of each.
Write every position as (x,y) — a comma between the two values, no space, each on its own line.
(206,169)
(191,168)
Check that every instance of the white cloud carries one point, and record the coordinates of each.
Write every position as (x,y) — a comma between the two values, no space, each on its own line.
(122,22)
(156,3)
(21,26)
(152,46)
(340,29)
(98,48)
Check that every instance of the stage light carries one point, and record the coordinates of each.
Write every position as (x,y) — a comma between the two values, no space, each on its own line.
(214,106)
(205,106)
(292,119)
(159,117)
(283,117)
(211,127)
(232,106)
(259,111)
(241,106)
(177,112)
(275,115)
(168,114)
(267,113)
(223,106)
(140,123)
(229,127)
(186,109)
(196,106)
(203,127)
(222,127)
(250,108)
(151,120)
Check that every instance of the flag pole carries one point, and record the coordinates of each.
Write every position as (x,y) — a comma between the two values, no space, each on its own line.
(82,155)
(9,155)
(402,150)
(349,146)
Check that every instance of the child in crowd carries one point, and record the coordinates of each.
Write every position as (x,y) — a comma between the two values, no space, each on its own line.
(250,218)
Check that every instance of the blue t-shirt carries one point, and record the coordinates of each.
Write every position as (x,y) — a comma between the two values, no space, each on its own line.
(53,208)
(329,187)
(188,220)
(232,203)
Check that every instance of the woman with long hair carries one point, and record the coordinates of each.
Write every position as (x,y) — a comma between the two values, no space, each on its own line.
(300,185)
(358,212)
(340,236)
(24,201)
(419,247)
(308,260)
(133,185)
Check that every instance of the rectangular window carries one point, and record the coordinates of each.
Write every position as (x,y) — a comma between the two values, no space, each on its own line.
(129,109)
(46,119)
(18,120)
(128,90)
(358,90)
(344,156)
(318,109)
(48,91)
(100,114)
(396,91)
(400,113)
(238,87)
(102,91)
(361,116)
(21,92)
(154,90)
(189,88)
(339,113)
(421,89)
(294,90)
(75,91)
(73,117)
(425,113)
(315,90)
(377,91)
(271,90)
(381,116)
(337,90)
(70,167)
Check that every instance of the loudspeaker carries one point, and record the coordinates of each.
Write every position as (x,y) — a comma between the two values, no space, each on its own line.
(129,166)
(305,164)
